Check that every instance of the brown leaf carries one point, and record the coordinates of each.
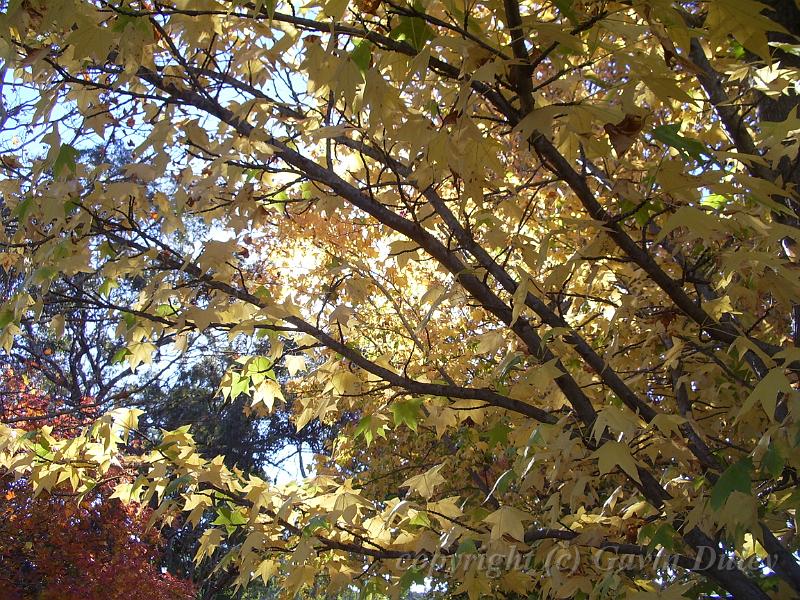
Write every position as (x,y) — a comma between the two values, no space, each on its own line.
(669,56)
(10,161)
(451,117)
(35,55)
(369,6)
(623,134)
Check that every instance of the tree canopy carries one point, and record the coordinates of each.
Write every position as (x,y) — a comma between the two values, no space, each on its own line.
(531,266)
(54,548)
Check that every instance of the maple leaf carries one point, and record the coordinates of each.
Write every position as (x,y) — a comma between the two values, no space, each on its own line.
(425,483)
(442,228)
(508,520)
(623,134)
(616,454)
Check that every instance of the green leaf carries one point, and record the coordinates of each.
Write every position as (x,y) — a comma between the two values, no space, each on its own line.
(43,275)
(508,363)
(316,523)
(736,49)
(135,23)
(6,317)
(502,484)
(467,547)
(773,461)
(70,207)
(121,22)
(108,285)
(239,385)
(363,428)
(406,412)
(498,434)
(793,501)
(23,208)
(669,135)
(229,517)
(663,536)
(262,365)
(166,310)
(565,8)
(119,356)
(335,8)
(66,159)
(414,31)
(176,483)
(715,201)
(409,577)
(362,54)
(642,214)
(369,427)
(420,519)
(735,478)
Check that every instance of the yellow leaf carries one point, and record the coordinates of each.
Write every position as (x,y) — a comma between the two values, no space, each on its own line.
(425,483)
(295,363)
(766,392)
(616,454)
(266,392)
(265,570)
(138,353)
(508,520)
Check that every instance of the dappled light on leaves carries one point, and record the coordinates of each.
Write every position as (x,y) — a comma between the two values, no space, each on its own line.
(523,265)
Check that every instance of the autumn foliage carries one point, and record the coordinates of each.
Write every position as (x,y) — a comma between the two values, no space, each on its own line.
(532,265)
(54,546)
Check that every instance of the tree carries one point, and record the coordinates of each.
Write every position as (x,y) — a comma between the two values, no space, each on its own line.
(54,547)
(249,442)
(545,253)
(80,370)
